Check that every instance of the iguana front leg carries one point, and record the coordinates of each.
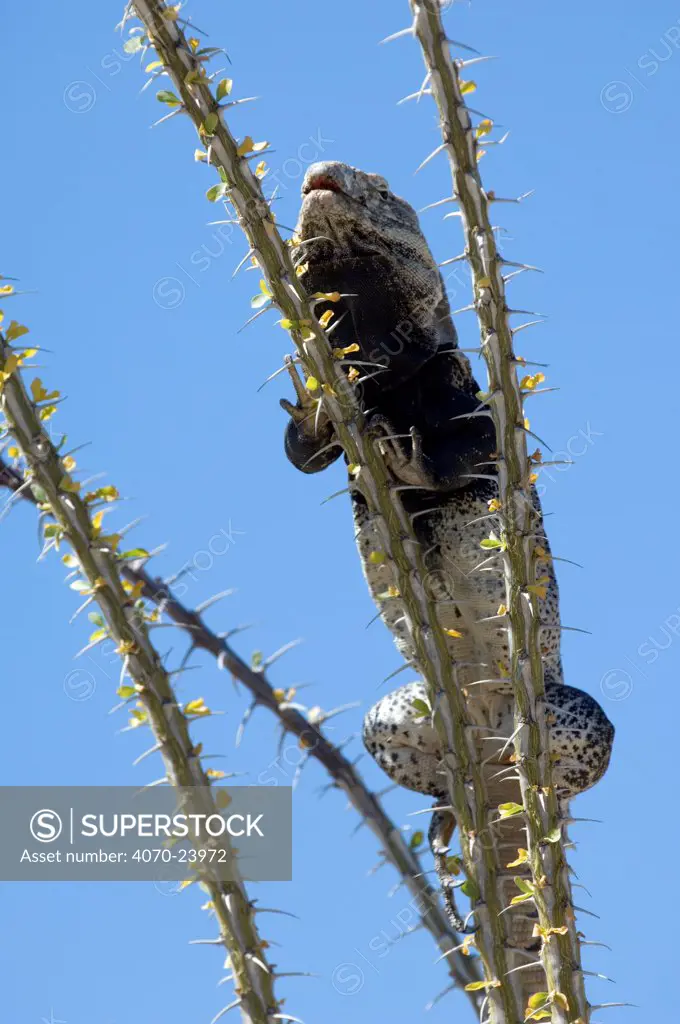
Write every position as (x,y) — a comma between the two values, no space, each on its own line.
(439,447)
(309,435)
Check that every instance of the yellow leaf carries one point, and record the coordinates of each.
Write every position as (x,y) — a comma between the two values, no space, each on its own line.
(13,452)
(502,610)
(261,169)
(301,269)
(484,282)
(194,43)
(376,557)
(279,695)
(326,318)
(133,589)
(353,468)
(312,384)
(199,155)
(15,331)
(531,381)
(484,127)
(7,289)
(69,463)
(153,65)
(352,374)
(477,986)
(245,147)
(216,773)
(522,858)
(127,647)
(561,1000)
(467,87)
(68,484)
(454,633)
(11,363)
(537,1000)
(197,707)
(494,505)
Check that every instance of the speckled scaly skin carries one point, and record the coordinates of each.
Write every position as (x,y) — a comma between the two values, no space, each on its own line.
(418,395)
(406,746)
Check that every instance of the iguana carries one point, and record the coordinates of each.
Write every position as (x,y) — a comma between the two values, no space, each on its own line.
(420,401)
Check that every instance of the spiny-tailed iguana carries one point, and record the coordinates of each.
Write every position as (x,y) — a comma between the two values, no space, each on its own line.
(417,394)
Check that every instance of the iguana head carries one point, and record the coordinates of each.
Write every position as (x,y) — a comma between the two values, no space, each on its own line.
(359,239)
(360,216)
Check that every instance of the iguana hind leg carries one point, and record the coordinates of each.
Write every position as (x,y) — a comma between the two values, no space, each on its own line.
(441,830)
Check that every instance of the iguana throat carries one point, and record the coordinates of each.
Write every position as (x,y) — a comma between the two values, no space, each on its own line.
(359,239)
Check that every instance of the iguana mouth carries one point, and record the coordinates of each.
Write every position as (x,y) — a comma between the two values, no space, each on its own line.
(321,183)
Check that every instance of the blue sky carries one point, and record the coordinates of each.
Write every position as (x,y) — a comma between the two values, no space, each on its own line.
(106,221)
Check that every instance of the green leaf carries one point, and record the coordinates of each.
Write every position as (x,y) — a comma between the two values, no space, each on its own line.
(477,986)
(79,586)
(256,660)
(416,840)
(259,300)
(53,530)
(523,885)
(216,192)
(39,494)
(165,96)
(126,691)
(99,634)
(538,1000)
(554,836)
(133,45)
(135,553)
(469,889)
(510,809)
(490,543)
(453,865)
(421,707)
(96,619)
(224,88)
(210,124)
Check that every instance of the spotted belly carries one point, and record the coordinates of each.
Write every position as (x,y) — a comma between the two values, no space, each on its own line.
(464,580)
